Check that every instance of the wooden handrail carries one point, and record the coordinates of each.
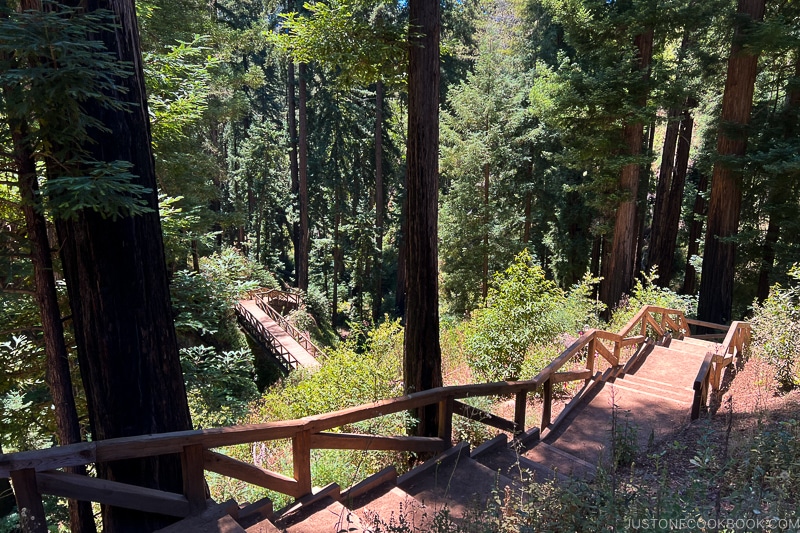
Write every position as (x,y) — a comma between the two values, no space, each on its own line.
(310,432)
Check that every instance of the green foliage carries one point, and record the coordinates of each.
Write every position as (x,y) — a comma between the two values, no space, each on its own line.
(523,308)
(346,378)
(203,301)
(646,292)
(363,41)
(776,331)
(107,189)
(219,385)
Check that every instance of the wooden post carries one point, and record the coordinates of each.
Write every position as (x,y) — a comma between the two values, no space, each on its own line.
(617,351)
(547,400)
(194,481)
(643,332)
(29,501)
(446,420)
(520,405)
(301,449)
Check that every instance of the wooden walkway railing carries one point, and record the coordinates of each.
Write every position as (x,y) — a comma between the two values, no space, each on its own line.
(258,331)
(264,301)
(36,472)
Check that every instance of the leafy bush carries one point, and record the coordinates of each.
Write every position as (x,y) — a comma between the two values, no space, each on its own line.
(648,293)
(776,331)
(347,377)
(219,385)
(523,308)
(203,301)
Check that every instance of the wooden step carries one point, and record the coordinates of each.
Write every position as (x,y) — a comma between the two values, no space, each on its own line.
(215,519)
(647,384)
(669,365)
(655,389)
(693,348)
(324,515)
(388,507)
(698,342)
(515,466)
(560,461)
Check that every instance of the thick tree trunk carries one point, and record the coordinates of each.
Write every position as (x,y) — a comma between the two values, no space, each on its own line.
(526,214)
(719,259)
(422,354)
(767,257)
(302,265)
(377,272)
(117,281)
(695,233)
(623,252)
(59,380)
(291,122)
(669,197)
(485,273)
(777,196)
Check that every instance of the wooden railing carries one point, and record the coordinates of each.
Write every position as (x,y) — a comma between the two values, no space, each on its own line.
(263,301)
(36,472)
(709,377)
(259,332)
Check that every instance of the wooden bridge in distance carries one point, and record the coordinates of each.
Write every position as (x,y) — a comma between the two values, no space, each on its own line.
(262,315)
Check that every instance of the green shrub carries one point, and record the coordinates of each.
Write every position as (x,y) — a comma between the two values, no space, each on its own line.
(523,308)
(648,293)
(219,385)
(347,377)
(776,331)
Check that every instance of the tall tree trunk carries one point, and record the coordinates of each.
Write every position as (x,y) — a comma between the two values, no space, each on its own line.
(422,353)
(59,380)
(485,274)
(293,164)
(641,203)
(117,282)
(526,214)
(336,266)
(400,288)
(719,259)
(695,232)
(777,195)
(623,251)
(377,290)
(669,197)
(302,265)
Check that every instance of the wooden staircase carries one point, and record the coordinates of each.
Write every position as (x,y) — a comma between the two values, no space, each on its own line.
(648,399)
(639,380)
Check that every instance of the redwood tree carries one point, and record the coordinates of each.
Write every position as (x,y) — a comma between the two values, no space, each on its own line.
(716,283)
(618,272)
(117,282)
(422,355)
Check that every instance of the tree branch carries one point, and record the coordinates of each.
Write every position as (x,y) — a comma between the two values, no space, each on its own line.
(11,290)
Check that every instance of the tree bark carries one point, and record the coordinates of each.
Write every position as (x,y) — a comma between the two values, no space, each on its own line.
(485,273)
(777,195)
(667,211)
(422,354)
(377,289)
(695,232)
(302,266)
(293,164)
(719,259)
(59,380)
(117,281)
(619,279)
